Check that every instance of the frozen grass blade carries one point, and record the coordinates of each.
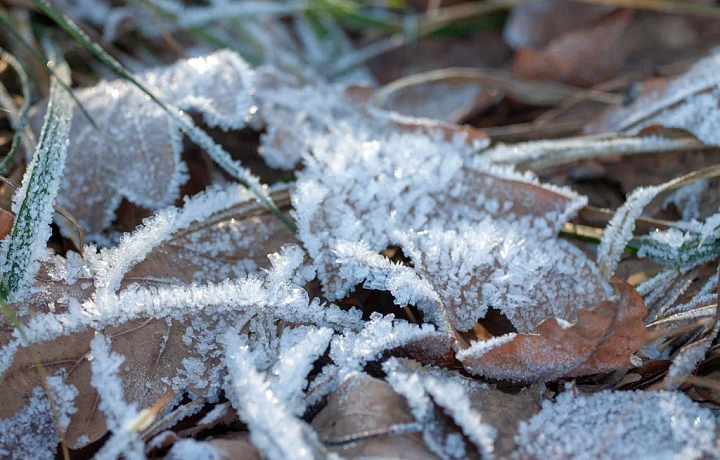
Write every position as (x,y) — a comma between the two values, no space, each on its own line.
(22,119)
(197,135)
(33,203)
(619,231)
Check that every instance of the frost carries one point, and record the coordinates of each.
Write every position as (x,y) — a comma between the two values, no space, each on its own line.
(299,348)
(190,449)
(687,199)
(273,427)
(468,227)
(687,102)
(352,350)
(619,230)
(33,202)
(113,264)
(141,154)
(688,357)
(423,386)
(461,275)
(216,413)
(119,415)
(33,431)
(619,425)
(538,154)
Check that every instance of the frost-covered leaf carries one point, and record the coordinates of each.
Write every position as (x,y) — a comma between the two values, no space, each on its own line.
(601,340)
(620,425)
(165,327)
(687,102)
(487,416)
(358,412)
(33,202)
(32,432)
(136,152)
(453,215)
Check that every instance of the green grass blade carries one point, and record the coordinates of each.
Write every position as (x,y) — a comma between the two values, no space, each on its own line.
(21,123)
(33,202)
(197,135)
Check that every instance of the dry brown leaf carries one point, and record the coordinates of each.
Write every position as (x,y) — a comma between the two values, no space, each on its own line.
(585,57)
(451,99)
(483,49)
(6,222)
(536,25)
(155,350)
(357,418)
(602,340)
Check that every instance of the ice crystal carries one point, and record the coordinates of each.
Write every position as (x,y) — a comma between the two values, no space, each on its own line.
(33,431)
(190,449)
(352,350)
(273,427)
(549,152)
(119,415)
(687,199)
(112,264)
(687,359)
(619,425)
(619,231)
(141,154)
(676,248)
(465,224)
(687,102)
(423,386)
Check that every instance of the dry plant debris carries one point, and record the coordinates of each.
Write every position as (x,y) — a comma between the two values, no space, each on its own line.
(428,296)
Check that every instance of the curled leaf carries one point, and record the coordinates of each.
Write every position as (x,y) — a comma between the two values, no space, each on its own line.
(601,340)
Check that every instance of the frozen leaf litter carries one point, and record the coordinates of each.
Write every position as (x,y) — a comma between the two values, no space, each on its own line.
(150,319)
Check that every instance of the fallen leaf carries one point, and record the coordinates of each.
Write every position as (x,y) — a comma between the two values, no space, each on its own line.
(602,340)
(359,412)
(687,102)
(585,57)
(159,352)
(535,25)
(619,425)
(434,203)
(138,142)
(451,99)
